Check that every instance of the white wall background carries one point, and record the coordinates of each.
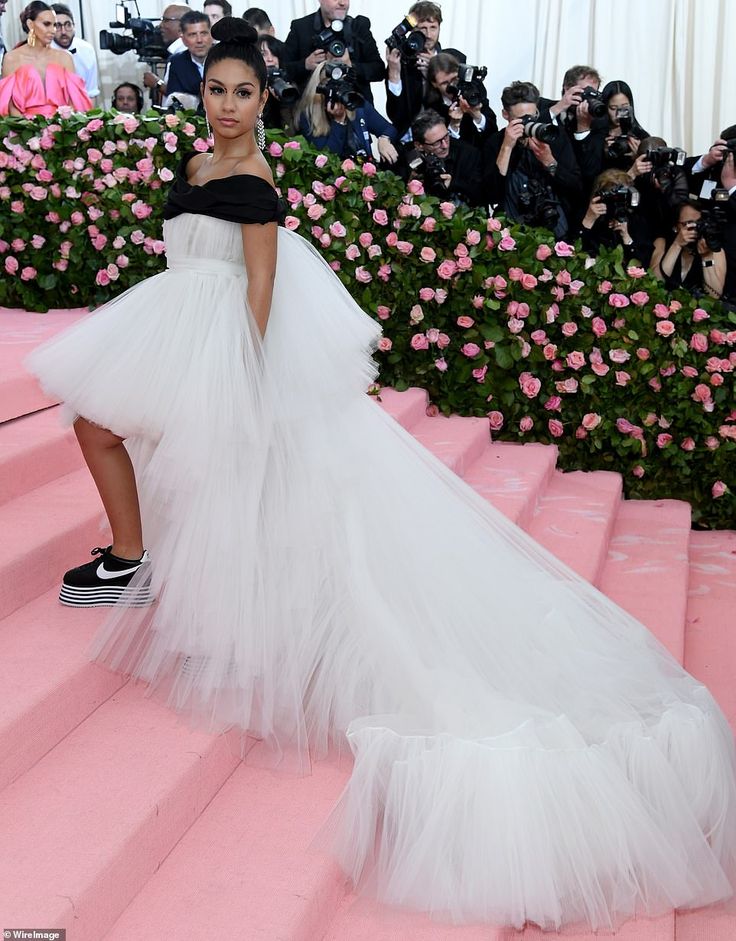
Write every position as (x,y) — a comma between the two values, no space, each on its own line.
(677,55)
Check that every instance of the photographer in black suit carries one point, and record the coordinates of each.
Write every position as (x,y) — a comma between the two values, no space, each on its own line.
(449,168)
(185,68)
(330,33)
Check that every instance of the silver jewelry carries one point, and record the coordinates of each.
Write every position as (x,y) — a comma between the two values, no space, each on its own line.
(209,129)
(260,132)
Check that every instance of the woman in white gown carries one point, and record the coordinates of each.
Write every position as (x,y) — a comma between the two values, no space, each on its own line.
(525,751)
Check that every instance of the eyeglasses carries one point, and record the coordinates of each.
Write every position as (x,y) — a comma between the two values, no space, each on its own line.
(438,143)
(64,26)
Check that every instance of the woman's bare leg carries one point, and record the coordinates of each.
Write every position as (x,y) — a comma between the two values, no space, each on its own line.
(112,471)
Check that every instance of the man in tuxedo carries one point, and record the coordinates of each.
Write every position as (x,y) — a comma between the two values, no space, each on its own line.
(302,56)
(186,69)
(83,53)
(460,178)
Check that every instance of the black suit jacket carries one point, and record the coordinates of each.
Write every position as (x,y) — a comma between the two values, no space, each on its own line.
(402,109)
(183,75)
(364,55)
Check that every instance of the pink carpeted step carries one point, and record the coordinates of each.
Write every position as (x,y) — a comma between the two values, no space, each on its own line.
(20,332)
(45,532)
(407,407)
(89,824)
(512,477)
(49,685)
(640,929)
(575,517)
(458,442)
(35,449)
(710,655)
(245,869)
(646,571)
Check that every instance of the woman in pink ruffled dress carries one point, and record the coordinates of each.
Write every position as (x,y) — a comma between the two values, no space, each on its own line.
(37,79)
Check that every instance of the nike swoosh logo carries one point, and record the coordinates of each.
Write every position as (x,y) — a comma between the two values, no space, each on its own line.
(104,574)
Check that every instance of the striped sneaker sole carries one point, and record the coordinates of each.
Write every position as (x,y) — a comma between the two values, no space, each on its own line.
(104,596)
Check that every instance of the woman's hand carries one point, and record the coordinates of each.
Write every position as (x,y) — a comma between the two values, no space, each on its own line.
(621,227)
(337,111)
(686,234)
(640,166)
(387,150)
(596,209)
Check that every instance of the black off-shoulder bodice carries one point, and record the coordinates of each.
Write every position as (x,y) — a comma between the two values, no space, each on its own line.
(242,198)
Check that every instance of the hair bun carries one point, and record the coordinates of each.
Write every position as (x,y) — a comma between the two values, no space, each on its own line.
(234,30)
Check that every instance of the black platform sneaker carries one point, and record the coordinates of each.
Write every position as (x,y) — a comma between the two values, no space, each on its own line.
(104,582)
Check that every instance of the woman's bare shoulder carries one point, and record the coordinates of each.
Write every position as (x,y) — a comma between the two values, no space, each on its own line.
(257,165)
(63,58)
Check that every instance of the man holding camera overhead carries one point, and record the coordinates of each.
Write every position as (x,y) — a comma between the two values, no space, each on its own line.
(530,171)
(331,34)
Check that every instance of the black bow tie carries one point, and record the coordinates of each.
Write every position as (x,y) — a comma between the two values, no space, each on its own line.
(72,51)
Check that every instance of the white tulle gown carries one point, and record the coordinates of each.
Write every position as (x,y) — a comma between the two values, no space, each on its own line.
(525,751)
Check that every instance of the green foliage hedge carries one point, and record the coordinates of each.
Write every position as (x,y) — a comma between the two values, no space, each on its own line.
(491,319)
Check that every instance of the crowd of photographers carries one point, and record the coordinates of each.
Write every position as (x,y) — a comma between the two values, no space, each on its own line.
(581,166)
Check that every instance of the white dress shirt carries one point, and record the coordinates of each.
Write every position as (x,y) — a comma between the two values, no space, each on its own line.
(85,63)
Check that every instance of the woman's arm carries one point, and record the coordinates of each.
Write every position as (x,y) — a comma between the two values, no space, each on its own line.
(259,251)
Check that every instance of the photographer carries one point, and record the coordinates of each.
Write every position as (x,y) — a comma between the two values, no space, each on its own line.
(127,98)
(614,218)
(185,69)
(456,92)
(330,34)
(530,171)
(410,48)
(333,115)
(581,104)
(689,260)
(170,29)
(716,169)
(659,176)
(450,168)
(282,94)
(615,144)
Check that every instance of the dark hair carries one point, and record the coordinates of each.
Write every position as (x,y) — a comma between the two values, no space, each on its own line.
(728,133)
(138,94)
(423,122)
(577,72)
(227,10)
(32,11)
(61,9)
(689,203)
(236,39)
(442,62)
(257,18)
(425,10)
(519,93)
(650,143)
(193,17)
(617,88)
(277,47)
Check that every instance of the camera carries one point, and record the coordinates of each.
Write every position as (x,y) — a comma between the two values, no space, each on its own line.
(408,40)
(538,205)
(661,157)
(711,225)
(619,201)
(330,40)
(340,87)
(146,40)
(469,84)
(535,128)
(430,168)
(279,84)
(596,105)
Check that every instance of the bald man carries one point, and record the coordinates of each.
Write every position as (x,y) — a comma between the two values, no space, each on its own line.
(171,35)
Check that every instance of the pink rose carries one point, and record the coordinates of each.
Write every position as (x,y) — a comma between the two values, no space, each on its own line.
(419,342)
(316,211)
(665,328)
(433,334)
(362,275)
(702,393)
(618,300)
(568,386)
(472,236)
(441,364)
(447,269)
(556,428)
(291,222)
(384,272)
(275,149)
(638,471)
(351,252)
(700,314)
(635,272)
(526,424)
(598,326)
(604,287)
(569,329)
(447,210)
(600,369)
(543,252)
(122,261)
(507,244)
(429,224)
(539,337)
(11,264)
(384,344)
(365,239)
(369,169)
(563,277)
(406,248)
(426,294)
(28,274)
(664,440)
(516,274)
(563,250)
(528,282)
(549,351)
(639,298)
(495,420)
(338,230)
(643,353)
(102,278)
(480,373)
(699,342)
(515,325)
(465,322)
(443,341)
(688,445)
(38,241)
(99,242)
(619,356)
(622,377)
(470,350)
(575,360)
(718,489)
(529,385)
(591,421)
(576,287)
(369,194)
(383,312)
(380,217)
(140,209)
(690,372)
(553,403)
(415,187)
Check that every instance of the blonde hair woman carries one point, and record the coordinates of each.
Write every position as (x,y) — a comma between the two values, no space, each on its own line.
(326,121)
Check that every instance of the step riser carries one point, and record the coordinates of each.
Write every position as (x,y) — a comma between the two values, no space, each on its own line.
(49,458)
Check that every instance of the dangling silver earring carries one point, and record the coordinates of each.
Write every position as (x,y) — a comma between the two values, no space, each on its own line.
(260,132)
(209,129)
